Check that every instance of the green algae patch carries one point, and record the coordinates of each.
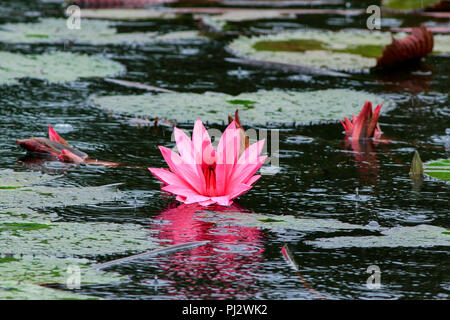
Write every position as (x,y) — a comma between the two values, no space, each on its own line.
(417,236)
(439,169)
(55,67)
(94,32)
(345,50)
(260,107)
(22,226)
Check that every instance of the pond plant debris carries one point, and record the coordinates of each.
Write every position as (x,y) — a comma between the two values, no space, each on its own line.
(201,174)
(56,148)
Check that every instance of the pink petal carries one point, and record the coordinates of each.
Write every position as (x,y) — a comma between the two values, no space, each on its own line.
(206,202)
(223,201)
(202,144)
(187,172)
(180,191)
(168,177)
(239,189)
(226,156)
(253,179)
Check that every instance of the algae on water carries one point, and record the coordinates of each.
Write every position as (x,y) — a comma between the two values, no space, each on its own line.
(260,107)
(55,67)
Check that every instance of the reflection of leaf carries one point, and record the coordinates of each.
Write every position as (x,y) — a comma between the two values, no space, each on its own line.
(413,47)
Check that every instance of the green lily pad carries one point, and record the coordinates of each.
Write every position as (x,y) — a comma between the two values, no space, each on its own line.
(43,196)
(439,169)
(260,107)
(12,290)
(276,223)
(408,4)
(219,22)
(417,236)
(35,250)
(352,51)
(96,32)
(127,14)
(55,67)
(62,239)
(15,179)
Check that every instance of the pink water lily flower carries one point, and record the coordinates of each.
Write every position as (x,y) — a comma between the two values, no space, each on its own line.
(365,125)
(201,174)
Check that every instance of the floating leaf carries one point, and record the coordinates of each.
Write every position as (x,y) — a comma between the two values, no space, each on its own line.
(413,47)
(352,51)
(127,14)
(96,32)
(417,236)
(439,169)
(269,106)
(16,179)
(55,66)
(218,23)
(43,196)
(67,239)
(409,4)
(276,223)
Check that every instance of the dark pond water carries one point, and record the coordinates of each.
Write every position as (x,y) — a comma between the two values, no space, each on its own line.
(317,178)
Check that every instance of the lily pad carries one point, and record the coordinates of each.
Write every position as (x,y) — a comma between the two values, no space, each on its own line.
(439,169)
(219,22)
(67,239)
(96,32)
(127,14)
(35,250)
(12,290)
(417,236)
(345,50)
(277,223)
(257,108)
(15,179)
(55,67)
(43,196)
(408,4)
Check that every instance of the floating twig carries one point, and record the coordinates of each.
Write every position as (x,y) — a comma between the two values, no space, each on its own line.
(138,85)
(290,260)
(151,253)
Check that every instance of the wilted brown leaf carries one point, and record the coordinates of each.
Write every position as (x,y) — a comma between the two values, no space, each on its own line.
(413,47)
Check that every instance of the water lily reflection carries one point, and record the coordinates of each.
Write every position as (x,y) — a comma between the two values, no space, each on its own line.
(231,258)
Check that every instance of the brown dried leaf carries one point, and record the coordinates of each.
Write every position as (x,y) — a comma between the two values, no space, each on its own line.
(413,47)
